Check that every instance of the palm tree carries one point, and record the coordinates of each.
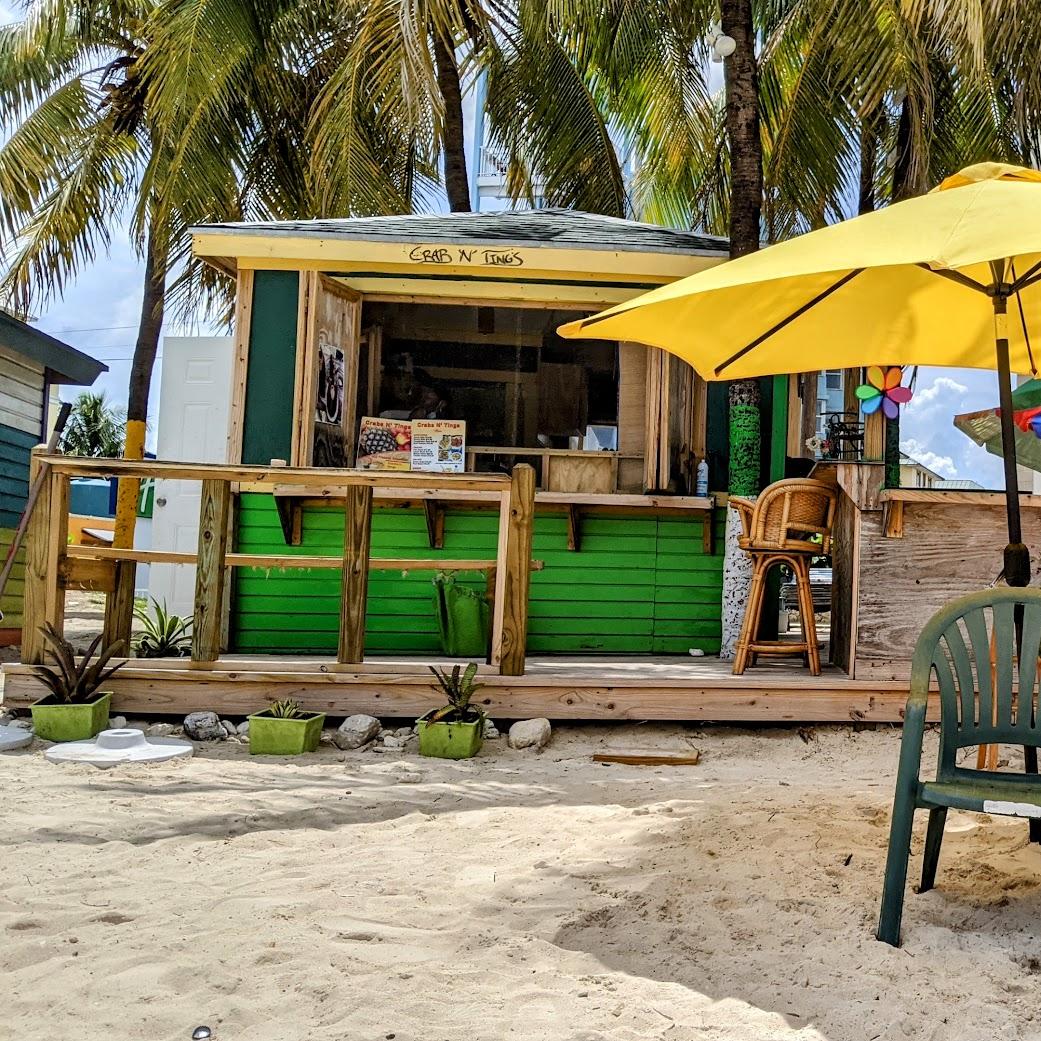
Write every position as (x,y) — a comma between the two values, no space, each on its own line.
(95,428)
(83,159)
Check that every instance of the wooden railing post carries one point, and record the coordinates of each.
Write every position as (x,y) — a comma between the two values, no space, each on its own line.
(517,577)
(214,507)
(46,536)
(357,533)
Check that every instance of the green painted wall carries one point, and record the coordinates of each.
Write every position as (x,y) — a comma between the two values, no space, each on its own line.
(15,446)
(11,601)
(268,423)
(638,585)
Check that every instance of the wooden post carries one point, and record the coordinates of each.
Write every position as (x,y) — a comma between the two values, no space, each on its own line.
(516,577)
(214,509)
(354,595)
(46,535)
(874,437)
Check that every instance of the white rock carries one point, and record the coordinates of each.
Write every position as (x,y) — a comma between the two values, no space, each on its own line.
(356,731)
(403,732)
(243,728)
(491,731)
(117,723)
(393,742)
(14,737)
(204,726)
(229,727)
(530,733)
(161,730)
(24,724)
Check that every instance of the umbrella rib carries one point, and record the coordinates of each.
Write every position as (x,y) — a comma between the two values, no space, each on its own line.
(1028,278)
(956,276)
(1022,316)
(791,318)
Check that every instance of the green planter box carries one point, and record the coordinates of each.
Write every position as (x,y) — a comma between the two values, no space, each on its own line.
(449,740)
(58,721)
(272,735)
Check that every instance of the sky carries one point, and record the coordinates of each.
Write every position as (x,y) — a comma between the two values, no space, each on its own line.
(98,314)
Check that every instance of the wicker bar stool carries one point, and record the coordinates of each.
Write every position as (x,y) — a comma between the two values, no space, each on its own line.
(776,529)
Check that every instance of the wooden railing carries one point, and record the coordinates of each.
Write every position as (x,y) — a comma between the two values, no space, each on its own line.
(52,565)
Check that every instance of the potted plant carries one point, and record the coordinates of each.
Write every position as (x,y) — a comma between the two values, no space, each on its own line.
(456,730)
(163,634)
(284,729)
(74,710)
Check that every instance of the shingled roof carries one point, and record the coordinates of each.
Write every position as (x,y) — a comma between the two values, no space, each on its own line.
(555,229)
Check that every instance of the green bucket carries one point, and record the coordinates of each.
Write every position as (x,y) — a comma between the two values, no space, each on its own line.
(462,618)
(63,721)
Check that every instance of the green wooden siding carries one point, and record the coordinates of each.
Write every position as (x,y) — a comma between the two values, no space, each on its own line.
(11,601)
(15,446)
(638,585)
(267,431)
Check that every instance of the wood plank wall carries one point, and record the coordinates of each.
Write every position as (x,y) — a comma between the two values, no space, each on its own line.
(946,552)
(640,584)
(21,394)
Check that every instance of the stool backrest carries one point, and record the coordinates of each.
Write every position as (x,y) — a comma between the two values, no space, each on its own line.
(788,512)
(988,692)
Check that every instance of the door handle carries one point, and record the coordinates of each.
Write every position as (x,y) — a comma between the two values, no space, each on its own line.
(160,501)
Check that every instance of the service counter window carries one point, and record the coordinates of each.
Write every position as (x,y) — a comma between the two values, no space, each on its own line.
(590,416)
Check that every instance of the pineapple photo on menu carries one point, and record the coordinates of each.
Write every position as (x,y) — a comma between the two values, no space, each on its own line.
(384,444)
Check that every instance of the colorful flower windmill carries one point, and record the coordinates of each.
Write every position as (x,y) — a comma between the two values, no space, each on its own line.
(883,390)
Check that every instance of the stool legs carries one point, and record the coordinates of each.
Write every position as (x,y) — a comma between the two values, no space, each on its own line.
(748,644)
(809,623)
(750,625)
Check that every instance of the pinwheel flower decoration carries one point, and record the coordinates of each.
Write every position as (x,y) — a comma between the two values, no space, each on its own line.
(883,391)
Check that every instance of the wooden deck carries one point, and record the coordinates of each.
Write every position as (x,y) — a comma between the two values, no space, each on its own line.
(631,688)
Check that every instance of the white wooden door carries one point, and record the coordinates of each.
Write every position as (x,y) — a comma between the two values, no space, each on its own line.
(194,406)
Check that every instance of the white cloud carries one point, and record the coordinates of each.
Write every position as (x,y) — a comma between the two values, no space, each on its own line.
(939,386)
(941,464)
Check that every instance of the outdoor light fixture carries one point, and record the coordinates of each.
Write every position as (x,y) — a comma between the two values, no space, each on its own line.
(721,45)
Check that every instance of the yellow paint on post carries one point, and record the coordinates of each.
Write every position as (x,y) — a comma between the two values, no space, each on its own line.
(129,487)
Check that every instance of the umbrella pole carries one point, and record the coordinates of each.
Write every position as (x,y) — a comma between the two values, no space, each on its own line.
(1017,556)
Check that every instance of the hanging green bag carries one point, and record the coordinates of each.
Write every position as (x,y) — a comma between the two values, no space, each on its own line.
(462,618)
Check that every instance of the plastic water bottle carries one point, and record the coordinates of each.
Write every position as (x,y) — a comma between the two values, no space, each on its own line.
(701,482)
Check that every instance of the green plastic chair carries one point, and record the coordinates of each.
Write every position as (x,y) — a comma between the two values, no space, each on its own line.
(978,706)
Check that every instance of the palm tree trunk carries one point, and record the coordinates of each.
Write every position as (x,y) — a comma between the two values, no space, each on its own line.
(457,185)
(140,382)
(119,607)
(746,201)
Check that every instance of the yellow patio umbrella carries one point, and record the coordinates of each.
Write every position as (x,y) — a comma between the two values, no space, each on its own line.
(951,278)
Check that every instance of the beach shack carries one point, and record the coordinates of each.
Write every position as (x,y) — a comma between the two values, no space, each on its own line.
(31,364)
(402,408)
(454,318)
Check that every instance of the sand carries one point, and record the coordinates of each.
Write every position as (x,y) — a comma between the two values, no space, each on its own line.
(357,896)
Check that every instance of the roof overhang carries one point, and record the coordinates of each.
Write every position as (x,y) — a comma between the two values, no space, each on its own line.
(443,266)
(64,364)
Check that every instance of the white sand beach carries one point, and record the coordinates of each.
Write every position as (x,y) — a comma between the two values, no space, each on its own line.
(353,895)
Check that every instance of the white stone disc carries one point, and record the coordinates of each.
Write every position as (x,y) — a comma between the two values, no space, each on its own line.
(14,737)
(112,747)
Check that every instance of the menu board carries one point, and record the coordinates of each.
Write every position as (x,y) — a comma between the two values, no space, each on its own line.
(439,445)
(384,444)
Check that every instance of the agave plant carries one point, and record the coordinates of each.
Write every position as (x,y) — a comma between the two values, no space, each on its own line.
(287,708)
(166,635)
(459,688)
(75,682)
